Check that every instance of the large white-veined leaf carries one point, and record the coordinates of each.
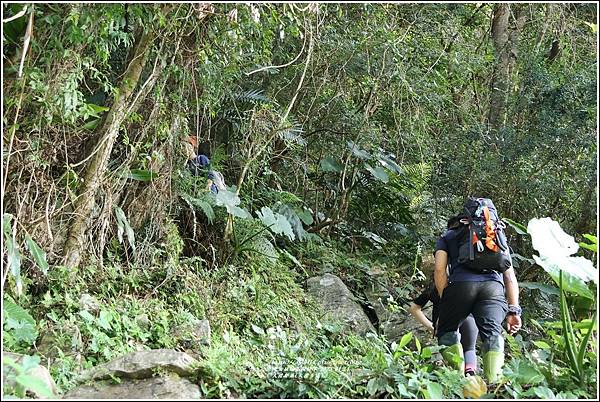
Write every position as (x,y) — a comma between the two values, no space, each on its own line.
(203,204)
(572,279)
(555,248)
(390,164)
(276,222)
(295,222)
(361,153)
(329,164)
(229,200)
(548,238)
(378,172)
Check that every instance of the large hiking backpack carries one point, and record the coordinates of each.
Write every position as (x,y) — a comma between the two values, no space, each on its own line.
(484,248)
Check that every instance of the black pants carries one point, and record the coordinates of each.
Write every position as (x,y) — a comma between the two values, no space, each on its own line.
(485,300)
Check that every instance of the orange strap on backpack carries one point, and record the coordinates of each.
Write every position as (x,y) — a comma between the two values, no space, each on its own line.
(489,231)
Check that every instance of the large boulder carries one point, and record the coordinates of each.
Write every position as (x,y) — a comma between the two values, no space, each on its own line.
(147,374)
(166,387)
(339,303)
(39,372)
(143,364)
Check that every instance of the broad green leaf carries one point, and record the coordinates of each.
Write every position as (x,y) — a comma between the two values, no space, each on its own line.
(13,310)
(426,353)
(86,316)
(306,217)
(97,108)
(571,282)
(527,373)
(592,247)
(540,286)
(92,124)
(544,393)
(390,164)
(30,362)
(361,153)
(34,384)
(38,254)
(203,204)
(541,345)
(293,219)
(19,321)
(22,331)
(239,212)
(434,391)
(519,228)
(276,222)
(142,175)
(328,164)
(378,172)
(372,386)
(104,320)
(405,339)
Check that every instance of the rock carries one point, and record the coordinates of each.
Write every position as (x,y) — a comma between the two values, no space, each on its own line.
(143,364)
(339,303)
(89,303)
(428,264)
(143,321)
(167,387)
(39,372)
(193,334)
(202,331)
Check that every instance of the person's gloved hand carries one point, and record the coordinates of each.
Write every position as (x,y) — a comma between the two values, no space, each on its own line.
(513,323)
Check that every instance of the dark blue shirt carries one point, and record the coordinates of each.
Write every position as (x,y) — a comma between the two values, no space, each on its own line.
(449,242)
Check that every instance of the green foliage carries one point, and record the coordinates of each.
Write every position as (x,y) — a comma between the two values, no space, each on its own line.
(123,226)
(18,326)
(571,275)
(353,130)
(12,248)
(276,222)
(20,375)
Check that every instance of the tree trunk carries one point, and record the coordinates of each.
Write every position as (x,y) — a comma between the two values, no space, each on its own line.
(500,76)
(505,36)
(100,155)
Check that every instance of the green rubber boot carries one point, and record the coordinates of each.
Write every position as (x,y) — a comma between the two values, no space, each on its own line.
(454,356)
(492,366)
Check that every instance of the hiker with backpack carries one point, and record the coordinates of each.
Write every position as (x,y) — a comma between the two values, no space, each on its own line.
(199,164)
(467,328)
(480,281)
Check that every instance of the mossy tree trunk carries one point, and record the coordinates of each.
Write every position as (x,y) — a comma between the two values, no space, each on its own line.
(108,134)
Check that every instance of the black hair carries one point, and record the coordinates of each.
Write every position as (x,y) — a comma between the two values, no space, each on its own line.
(453,222)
